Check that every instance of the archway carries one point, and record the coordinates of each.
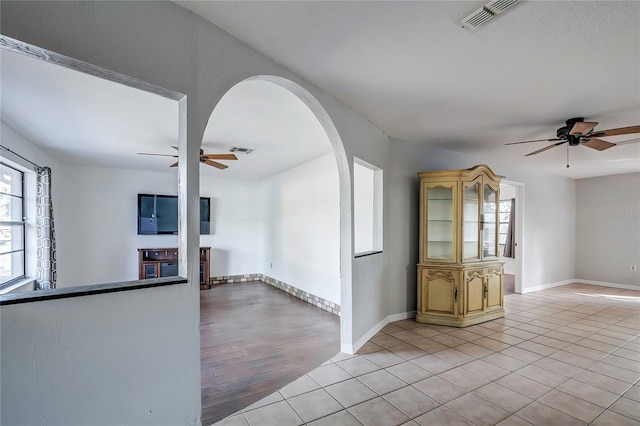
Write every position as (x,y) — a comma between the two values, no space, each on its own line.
(238,120)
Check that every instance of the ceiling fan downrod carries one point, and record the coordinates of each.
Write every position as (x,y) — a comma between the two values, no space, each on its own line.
(567,156)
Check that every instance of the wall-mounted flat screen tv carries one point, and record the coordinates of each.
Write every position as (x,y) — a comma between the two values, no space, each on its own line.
(158,214)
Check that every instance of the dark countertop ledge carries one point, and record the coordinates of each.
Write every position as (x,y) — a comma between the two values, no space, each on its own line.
(87,290)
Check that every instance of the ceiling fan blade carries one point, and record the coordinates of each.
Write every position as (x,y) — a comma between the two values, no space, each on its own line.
(545,148)
(537,140)
(599,144)
(159,155)
(219,156)
(618,131)
(174,164)
(582,128)
(215,164)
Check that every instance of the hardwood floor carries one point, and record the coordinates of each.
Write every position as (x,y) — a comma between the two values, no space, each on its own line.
(254,340)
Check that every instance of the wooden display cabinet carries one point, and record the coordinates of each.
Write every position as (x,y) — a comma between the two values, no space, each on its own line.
(459,271)
(163,262)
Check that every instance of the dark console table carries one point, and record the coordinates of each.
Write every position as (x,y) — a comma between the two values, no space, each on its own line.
(163,262)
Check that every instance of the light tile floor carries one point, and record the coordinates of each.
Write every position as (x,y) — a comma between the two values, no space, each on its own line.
(563,356)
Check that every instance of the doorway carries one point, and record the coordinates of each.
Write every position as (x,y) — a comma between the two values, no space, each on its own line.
(510,234)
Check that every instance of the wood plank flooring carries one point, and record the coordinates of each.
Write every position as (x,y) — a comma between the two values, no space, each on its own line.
(254,340)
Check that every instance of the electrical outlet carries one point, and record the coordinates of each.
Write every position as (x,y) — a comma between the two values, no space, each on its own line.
(634,268)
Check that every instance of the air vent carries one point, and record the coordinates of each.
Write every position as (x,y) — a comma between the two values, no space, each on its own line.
(241,150)
(480,16)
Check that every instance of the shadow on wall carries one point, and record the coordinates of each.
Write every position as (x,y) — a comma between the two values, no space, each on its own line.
(412,288)
(212,218)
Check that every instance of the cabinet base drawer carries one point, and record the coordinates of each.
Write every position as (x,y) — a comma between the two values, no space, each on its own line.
(460,322)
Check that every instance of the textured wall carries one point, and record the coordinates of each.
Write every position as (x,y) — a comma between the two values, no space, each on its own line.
(608,229)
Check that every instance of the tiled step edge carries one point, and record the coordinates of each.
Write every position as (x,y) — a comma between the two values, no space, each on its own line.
(318,301)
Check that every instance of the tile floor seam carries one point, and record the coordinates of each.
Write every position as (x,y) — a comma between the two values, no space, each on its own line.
(290,406)
(616,400)
(459,413)
(567,414)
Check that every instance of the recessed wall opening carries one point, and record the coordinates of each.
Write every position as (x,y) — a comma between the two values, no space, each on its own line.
(57,115)
(367,205)
(76,127)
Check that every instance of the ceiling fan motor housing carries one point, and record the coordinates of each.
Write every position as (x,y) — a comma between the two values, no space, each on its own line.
(563,132)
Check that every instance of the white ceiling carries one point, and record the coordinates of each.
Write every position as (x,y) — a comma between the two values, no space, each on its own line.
(410,69)
(81,119)
(269,119)
(406,66)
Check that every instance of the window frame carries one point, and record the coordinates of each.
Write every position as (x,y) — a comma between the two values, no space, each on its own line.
(500,212)
(23,223)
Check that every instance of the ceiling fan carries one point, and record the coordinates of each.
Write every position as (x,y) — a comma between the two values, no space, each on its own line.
(204,158)
(580,132)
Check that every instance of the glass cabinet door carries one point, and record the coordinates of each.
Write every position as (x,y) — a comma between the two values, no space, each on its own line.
(489,219)
(440,222)
(471,222)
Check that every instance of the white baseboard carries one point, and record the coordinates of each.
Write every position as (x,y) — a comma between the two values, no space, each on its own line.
(581,281)
(604,284)
(372,332)
(546,286)
(347,349)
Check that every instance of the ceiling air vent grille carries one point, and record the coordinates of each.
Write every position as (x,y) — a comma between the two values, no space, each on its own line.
(480,16)
(239,150)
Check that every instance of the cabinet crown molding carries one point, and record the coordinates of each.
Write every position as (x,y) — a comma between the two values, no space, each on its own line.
(470,173)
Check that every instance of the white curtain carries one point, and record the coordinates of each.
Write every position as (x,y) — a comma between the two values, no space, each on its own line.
(45,233)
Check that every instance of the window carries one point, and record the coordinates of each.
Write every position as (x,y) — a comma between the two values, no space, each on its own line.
(505,213)
(12,224)
(367,200)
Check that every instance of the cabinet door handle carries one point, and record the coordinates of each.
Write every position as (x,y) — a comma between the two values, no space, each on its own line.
(455,295)
(485,291)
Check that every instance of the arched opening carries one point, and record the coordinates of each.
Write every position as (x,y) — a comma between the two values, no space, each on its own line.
(281,215)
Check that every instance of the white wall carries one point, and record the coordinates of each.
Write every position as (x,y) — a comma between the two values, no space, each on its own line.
(235,237)
(301,227)
(116,358)
(608,229)
(97,223)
